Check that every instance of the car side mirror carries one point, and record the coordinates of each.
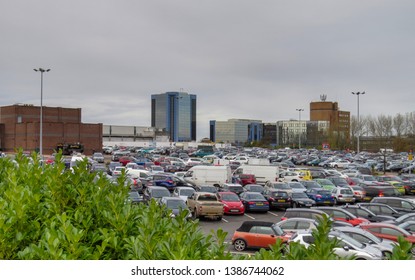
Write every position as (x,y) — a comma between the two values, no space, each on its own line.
(346,248)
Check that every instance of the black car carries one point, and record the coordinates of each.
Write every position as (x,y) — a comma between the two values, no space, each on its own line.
(301,199)
(278,198)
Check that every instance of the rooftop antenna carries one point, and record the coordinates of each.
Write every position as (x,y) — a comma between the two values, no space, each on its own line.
(323,97)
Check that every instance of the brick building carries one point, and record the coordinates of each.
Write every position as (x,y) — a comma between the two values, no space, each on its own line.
(339,121)
(20,128)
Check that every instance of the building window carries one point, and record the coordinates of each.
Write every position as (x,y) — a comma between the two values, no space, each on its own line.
(19,119)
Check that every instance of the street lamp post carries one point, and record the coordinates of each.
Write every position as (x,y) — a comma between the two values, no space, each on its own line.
(299,123)
(41,70)
(358,119)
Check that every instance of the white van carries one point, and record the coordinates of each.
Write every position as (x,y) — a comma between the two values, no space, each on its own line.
(209,175)
(263,173)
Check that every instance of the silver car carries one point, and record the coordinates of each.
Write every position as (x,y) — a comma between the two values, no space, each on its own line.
(365,237)
(348,247)
(343,195)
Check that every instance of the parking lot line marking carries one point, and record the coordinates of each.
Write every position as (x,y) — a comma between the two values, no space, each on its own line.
(226,221)
(273,214)
(249,216)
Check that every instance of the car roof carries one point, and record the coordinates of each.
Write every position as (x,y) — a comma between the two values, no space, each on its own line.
(247,225)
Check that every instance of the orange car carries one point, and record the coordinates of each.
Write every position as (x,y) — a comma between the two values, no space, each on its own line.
(258,234)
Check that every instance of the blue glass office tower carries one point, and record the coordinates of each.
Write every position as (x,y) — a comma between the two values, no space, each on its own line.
(175,112)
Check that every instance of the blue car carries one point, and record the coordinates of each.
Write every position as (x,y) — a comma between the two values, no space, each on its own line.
(321,196)
(254,202)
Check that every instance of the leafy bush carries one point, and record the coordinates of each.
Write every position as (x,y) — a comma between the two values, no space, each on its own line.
(52,213)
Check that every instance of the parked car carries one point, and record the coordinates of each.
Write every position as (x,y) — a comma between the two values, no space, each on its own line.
(278,198)
(278,186)
(235,188)
(254,202)
(404,218)
(288,176)
(308,213)
(326,184)
(347,246)
(247,179)
(297,187)
(363,236)
(341,214)
(98,157)
(381,209)
(206,188)
(155,192)
(112,165)
(360,211)
(232,203)
(301,199)
(310,184)
(397,203)
(374,190)
(174,206)
(257,234)
(254,188)
(343,195)
(338,181)
(183,192)
(389,231)
(321,196)
(359,193)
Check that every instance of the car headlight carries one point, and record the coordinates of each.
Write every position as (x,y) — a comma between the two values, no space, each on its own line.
(226,205)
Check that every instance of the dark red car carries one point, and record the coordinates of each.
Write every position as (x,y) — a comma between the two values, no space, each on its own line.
(247,179)
(388,231)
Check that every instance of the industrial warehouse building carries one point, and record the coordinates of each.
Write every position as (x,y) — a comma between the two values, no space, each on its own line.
(20,128)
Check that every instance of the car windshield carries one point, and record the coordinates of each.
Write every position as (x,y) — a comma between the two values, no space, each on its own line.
(186,192)
(278,230)
(255,196)
(208,189)
(175,204)
(324,192)
(281,186)
(311,184)
(369,178)
(296,186)
(340,181)
(230,197)
(256,188)
(280,194)
(160,193)
(325,182)
(346,191)
(350,240)
(299,195)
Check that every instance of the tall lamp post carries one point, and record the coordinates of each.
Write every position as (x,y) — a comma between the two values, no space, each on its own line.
(41,70)
(299,123)
(358,119)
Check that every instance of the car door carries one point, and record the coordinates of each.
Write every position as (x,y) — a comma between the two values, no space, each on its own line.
(263,236)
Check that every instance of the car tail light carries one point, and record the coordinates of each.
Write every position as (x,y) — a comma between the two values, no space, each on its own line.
(381,194)
(318,196)
(283,218)
(266,202)
(340,195)
(272,199)
(289,199)
(251,202)
(170,181)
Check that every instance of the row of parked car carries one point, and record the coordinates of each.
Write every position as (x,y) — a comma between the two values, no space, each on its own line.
(365,230)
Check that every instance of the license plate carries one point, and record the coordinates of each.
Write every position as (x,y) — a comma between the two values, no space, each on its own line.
(348,199)
(234,210)
(308,205)
(367,198)
(327,201)
(281,200)
(260,204)
(412,190)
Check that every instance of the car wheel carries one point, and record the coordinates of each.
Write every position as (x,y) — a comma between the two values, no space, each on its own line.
(335,201)
(239,245)
(219,218)
(295,205)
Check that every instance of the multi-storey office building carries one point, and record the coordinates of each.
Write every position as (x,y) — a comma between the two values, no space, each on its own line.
(236,131)
(176,113)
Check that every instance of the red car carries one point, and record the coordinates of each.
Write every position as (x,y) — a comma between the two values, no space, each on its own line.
(247,179)
(388,231)
(258,234)
(232,205)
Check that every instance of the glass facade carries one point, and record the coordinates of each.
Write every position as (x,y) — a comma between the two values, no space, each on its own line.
(175,112)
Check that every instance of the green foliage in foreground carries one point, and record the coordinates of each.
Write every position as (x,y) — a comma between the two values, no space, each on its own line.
(49,213)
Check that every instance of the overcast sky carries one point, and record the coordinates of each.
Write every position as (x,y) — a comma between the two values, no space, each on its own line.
(247,59)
